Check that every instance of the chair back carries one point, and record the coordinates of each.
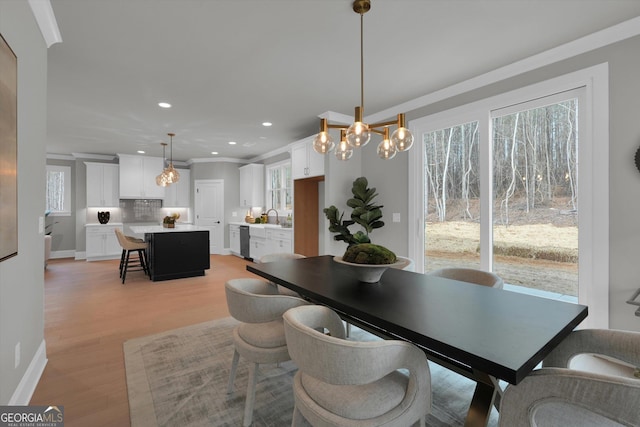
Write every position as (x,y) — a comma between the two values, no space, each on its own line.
(470,275)
(279,256)
(335,360)
(257,301)
(128,244)
(564,397)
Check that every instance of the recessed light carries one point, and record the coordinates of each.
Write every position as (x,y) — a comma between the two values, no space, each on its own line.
(267,124)
(232,143)
(140,151)
(214,152)
(164,105)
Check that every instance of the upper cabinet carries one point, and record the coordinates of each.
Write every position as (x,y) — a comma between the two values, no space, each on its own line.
(138,177)
(252,185)
(305,162)
(102,185)
(178,195)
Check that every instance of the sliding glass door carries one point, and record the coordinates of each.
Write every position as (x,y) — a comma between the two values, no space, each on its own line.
(530,234)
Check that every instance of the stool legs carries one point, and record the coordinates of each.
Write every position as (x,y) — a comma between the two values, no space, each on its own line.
(126,262)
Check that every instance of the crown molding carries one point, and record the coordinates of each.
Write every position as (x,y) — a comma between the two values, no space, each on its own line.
(216,160)
(46,20)
(94,156)
(51,156)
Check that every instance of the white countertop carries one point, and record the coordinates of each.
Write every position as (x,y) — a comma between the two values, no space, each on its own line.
(143,229)
(276,226)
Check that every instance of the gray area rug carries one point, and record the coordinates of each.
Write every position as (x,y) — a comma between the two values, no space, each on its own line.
(179,378)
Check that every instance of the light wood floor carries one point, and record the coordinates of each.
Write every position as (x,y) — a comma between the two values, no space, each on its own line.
(89,314)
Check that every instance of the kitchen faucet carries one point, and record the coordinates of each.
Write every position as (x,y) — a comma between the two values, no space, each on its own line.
(277,218)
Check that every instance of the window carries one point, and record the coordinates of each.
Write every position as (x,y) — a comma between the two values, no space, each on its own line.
(279,187)
(510,184)
(58,190)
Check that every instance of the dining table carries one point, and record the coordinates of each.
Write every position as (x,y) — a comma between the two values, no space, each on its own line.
(483,333)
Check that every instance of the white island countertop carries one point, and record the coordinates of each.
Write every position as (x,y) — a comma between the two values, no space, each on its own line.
(144,229)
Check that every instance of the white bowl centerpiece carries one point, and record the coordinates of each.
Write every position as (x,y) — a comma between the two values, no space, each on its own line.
(369,261)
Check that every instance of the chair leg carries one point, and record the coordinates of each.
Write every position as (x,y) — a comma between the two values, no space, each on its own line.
(124,268)
(143,264)
(297,420)
(234,367)
(122,261)
(251,395)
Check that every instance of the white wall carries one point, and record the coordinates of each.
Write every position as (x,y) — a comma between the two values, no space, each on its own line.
(22,277)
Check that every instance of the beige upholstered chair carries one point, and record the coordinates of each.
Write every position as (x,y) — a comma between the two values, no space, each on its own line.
(601,351)
(131,244)
(260,336)
(470,275)
(349,383)
(560,397)
(281,256)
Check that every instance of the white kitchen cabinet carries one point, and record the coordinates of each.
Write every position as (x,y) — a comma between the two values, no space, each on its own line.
(279,240)
(234,238)
(305,162)
(178,195)
(138,177)
(257,242)
(102,185)
(101,242)
(252,185)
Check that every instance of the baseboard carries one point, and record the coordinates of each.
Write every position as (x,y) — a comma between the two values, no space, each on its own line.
(63,254)
(24,391)
(81,255)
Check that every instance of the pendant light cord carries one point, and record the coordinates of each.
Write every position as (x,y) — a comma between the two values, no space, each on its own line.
(362,62)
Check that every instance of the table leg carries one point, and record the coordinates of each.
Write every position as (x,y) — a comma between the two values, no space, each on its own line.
(481,404)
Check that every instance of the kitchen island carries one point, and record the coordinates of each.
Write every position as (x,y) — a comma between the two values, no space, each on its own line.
(175,253)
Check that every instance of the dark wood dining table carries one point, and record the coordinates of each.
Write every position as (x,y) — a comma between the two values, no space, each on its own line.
(483,333)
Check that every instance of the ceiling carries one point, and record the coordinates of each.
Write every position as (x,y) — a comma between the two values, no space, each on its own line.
(227,66)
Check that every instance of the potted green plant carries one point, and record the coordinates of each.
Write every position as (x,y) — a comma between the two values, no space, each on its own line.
(368,260)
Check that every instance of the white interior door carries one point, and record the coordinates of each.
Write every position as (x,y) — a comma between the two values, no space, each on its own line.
(209,211)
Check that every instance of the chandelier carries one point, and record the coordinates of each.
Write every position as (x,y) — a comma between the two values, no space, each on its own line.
(359,133)
(169,174)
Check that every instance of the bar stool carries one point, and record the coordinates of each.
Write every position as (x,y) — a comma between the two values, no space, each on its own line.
(131,244)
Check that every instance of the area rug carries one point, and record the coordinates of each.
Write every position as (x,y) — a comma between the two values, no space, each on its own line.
(179,378)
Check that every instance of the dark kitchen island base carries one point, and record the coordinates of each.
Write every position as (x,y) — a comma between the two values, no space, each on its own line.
(178,254)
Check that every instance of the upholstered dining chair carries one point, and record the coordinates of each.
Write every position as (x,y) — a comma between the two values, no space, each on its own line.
(470,275)
(131,244)
(601,351)
(559,397)
(347,383)
(281,256)
(259,338)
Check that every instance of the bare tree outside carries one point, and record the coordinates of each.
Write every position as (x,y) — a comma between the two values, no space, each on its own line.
(535,206)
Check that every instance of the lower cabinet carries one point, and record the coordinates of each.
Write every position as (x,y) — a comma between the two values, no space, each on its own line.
(279,241)
(263,241)
(234,239)
(102,242)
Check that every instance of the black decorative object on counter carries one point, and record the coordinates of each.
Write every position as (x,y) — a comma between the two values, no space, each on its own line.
(103,217)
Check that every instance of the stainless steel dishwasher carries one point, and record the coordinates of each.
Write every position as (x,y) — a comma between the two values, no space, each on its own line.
(244,241)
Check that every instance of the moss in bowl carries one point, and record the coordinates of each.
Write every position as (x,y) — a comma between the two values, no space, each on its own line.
(369,261)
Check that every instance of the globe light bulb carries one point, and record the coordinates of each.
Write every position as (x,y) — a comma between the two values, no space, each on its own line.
(323,143)
(358,134)
(386,148)
(343,150)
(402,139)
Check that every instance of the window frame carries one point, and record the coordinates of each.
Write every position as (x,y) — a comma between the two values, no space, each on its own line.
(66,202)
(282,166)
(594,177)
